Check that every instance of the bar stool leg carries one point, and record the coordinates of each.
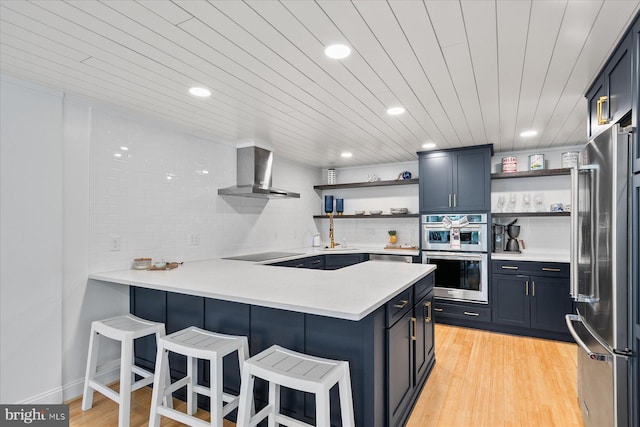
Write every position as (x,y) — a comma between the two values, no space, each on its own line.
(246,398)
(162,370)
(126,356)
(323,409)
(216,392)
(92,363)
(192,396)
(346,399)
(274,401)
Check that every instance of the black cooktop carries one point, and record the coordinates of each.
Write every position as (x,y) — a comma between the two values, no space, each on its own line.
(264,256)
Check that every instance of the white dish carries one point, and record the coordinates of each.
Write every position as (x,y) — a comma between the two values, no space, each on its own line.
(375,212)
(359,212)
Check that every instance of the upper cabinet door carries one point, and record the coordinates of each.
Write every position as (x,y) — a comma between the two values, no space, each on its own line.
(617,81)
(436,182)
(455,180)
(472,180)
(611,95)
(595,102)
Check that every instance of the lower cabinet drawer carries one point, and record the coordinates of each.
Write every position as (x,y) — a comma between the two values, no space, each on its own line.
(481,314)
(398,306)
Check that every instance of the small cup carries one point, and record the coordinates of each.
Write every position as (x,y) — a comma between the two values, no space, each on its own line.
(557,207)
(160,264)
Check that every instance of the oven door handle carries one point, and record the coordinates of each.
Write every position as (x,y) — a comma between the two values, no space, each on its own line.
(454,256)
(443,228)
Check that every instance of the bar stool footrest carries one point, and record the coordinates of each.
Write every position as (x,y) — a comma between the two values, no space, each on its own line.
(182,417)
(290,422)
(99,387)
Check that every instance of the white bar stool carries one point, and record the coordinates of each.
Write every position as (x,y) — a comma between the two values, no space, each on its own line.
(196,343)
(283,367)
(124,329)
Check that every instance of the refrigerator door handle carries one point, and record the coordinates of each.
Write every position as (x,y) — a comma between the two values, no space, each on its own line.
(573,265)
(603,357)
(574,289)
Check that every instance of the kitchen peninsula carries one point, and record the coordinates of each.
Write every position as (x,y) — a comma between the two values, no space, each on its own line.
(375,314)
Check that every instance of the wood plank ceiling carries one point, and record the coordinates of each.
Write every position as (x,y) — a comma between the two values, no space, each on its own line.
(468,72)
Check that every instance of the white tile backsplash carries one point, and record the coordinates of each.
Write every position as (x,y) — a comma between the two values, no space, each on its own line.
(155,197)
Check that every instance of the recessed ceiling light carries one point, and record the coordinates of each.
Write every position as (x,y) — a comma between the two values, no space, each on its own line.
(198,91)
(528,133)
(346,154)
(428,145)
(117,155)
(123,148)
(337,51)
(394,111)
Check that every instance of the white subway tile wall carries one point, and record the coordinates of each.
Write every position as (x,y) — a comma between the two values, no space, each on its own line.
(154,194)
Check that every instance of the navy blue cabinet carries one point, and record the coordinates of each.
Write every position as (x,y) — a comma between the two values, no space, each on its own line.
(401,367)
(295,263)
(511,300)
(531,296)
(410,350)
(455,180)
(610,96)
(334,262)
(425,345)
(324,262)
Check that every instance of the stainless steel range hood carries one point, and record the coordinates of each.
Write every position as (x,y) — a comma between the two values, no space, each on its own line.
(254,176)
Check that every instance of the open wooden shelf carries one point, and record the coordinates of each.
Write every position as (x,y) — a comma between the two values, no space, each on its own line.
(523,214)
(532,174)
(366,184)
(369,216)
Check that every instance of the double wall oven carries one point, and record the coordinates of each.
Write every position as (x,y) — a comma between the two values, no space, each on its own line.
(457,244)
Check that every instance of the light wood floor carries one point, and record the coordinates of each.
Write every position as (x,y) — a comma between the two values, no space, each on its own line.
(480,379)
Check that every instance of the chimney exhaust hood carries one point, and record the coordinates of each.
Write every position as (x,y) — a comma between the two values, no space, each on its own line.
(253,176)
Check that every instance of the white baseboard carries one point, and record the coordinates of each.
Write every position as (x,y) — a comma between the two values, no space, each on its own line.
(74,389)
(50,397)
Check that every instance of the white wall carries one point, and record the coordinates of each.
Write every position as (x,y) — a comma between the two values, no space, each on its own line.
(31,183)
(64,196)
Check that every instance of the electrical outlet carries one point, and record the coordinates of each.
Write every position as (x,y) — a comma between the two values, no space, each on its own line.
(194,239)
(114,243)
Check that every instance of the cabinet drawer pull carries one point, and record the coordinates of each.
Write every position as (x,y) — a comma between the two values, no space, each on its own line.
(601,120)
(471,313)
(414,325)
(557,270)
(300,266)
(428,318)
(509,267)
(455,203)
(402,304)
(438,309)
(449,200)
(316,261)
(526,288)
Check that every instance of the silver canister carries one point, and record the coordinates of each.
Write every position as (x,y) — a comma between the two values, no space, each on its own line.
(570,159)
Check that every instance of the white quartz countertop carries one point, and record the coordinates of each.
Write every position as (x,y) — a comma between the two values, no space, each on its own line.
(348,293)
(532,256)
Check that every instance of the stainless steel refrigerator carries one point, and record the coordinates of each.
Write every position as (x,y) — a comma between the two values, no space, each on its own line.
(600,284)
